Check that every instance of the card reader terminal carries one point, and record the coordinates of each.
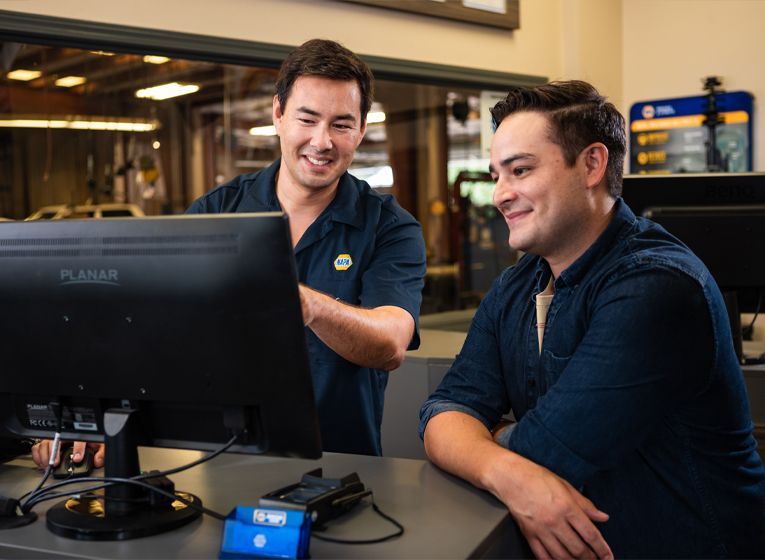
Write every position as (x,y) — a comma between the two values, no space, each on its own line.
(323,498)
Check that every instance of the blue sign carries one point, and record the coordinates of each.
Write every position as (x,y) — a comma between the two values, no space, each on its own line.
(669,136)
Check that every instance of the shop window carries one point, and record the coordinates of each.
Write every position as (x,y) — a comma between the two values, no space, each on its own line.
(136,133)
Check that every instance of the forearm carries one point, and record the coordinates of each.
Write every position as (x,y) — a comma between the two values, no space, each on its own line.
(376,338)
(556,520)
(461,445)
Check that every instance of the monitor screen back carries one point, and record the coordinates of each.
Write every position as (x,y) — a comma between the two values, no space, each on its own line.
(188,318)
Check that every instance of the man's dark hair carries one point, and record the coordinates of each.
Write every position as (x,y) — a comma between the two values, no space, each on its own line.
(326,59)
(578,116)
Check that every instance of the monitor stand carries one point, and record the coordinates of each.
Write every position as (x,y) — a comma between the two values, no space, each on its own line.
(126,511)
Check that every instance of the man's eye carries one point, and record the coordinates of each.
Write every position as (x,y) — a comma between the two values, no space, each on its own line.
(306,121)
(519,171)
(342,126)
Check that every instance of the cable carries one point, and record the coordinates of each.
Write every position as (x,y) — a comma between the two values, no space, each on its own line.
(111,480)
(38,495)
(204,459)
(58,410)
(396,534)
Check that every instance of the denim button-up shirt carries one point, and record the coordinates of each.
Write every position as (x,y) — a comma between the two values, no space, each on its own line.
(636,399)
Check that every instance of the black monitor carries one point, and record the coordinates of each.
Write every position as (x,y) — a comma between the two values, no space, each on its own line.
(173,332)
(718,215)
(725,239)
(693,189)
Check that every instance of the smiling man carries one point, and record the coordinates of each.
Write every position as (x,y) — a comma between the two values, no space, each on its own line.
(610,344)
(360,256)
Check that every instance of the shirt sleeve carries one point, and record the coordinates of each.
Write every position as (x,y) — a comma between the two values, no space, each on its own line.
(649,344)
(395,275)
(475,383)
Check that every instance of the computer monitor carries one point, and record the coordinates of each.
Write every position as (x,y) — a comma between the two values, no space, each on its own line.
(723,237)
(185,329)
(693,189)
(718,215)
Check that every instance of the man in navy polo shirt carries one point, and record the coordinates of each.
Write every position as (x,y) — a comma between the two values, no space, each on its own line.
(360,256)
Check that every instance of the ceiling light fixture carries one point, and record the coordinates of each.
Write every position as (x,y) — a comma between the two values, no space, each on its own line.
(155,59)
(70,81)
(166,91)
(23,75)
(81,124)
(374,117)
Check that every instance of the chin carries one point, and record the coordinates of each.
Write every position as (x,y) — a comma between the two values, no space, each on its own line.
(319,183)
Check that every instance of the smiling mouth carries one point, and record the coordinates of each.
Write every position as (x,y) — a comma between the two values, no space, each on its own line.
(318,160)
(515,216)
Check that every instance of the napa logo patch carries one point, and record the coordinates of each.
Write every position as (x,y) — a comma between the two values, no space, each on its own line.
(343,262)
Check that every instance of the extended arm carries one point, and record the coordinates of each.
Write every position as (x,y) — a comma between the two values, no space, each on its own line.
(556,520)
(375,338)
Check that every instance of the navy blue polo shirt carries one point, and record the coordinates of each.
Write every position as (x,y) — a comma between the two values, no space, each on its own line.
(363,249)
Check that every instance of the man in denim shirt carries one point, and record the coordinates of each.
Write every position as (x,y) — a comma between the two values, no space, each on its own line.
(610,343)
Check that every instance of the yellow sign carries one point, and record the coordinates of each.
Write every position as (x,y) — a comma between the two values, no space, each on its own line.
(343,262)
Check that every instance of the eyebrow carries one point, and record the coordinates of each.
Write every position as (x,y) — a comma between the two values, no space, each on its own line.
(343,117)
(510,159)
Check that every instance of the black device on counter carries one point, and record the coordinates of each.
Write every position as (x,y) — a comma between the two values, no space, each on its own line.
(323,498)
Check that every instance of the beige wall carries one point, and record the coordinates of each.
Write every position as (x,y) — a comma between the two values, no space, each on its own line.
(533,49)
(591,45)
(669,45)
(558,38)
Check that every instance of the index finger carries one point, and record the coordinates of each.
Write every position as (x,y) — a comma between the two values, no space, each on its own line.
(590,534)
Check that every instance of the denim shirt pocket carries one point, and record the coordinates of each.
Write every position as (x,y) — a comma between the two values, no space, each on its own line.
(552,367)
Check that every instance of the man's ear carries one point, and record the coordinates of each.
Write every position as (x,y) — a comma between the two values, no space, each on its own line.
(276,113)
(595,157)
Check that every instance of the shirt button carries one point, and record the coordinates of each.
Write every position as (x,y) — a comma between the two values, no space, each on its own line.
(532,382)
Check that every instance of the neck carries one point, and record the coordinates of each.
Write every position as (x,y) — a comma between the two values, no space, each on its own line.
(597,221)
(295,198)
(301,204)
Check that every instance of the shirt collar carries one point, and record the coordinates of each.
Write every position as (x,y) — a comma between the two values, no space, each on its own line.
(344,208)
(621,221)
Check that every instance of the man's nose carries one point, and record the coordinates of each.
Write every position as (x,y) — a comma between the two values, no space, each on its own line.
(321,139)
(503,192)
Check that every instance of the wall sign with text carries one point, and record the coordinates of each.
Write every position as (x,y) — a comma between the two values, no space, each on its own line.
(668,135)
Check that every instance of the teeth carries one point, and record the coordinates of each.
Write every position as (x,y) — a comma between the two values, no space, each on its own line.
(317,161)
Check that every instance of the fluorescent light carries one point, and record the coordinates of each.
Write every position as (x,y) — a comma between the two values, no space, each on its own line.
(154,59)
(70,81)
(24,75)
(263,130)
(374,117)
(102,53)
(166,91)
(124,126)
(111,125)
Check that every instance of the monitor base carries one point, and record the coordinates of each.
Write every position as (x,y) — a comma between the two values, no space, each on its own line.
(87,519)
